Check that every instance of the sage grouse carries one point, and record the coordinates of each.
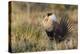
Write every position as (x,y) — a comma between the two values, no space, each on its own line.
(56,30)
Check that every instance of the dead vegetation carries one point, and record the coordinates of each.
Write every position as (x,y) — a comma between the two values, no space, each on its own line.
(27,33)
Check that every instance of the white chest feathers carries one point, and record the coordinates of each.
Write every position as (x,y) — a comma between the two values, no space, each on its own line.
(53,17)
(48,22)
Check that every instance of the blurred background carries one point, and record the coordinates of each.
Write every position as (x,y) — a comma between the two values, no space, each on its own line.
(27,34)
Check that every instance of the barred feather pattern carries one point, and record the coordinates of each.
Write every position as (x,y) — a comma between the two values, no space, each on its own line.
(65,29)
(60,30)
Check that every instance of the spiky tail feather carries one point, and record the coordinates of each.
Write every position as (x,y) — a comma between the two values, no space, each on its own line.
(66,27)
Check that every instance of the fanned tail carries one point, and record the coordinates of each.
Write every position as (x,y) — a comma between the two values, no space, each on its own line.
(66,26)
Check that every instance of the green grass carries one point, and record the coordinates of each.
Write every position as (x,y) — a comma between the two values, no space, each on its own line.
(27,34)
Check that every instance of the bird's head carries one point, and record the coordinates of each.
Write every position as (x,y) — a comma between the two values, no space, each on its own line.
(48,21)
(52,17)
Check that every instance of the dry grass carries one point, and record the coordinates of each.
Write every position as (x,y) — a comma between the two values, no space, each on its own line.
(28,35)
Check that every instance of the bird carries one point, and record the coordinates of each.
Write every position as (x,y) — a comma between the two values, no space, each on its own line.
(56,30)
